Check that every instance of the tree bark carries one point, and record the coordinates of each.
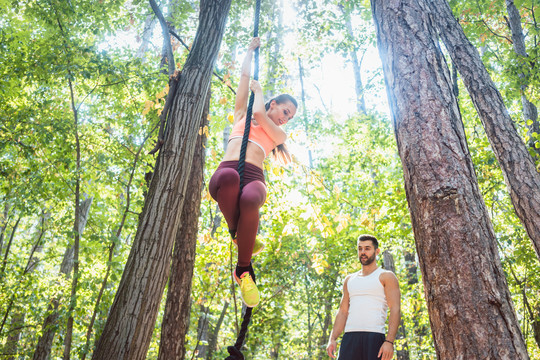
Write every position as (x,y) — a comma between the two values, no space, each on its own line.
(43,347)
(470,307)
(131,320)
(530,111)
(518,167)
(175,323)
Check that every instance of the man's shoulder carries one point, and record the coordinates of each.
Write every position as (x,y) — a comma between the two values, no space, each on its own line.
(349,276)
(387,275)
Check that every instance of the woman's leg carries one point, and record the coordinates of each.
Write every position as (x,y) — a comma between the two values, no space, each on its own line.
(251,200)
(224,187)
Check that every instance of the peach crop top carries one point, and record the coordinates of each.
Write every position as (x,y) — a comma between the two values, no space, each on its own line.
(257,135)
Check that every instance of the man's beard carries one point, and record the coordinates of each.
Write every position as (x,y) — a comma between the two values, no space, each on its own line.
(367,260)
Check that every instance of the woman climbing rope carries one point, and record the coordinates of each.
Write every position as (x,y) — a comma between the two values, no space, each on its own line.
(240,206)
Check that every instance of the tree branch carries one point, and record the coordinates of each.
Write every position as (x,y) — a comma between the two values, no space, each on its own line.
(187,48)
(166,37)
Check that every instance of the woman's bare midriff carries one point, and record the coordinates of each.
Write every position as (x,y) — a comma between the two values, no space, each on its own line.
(254,154)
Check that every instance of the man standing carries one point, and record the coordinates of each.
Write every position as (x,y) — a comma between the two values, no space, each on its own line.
(367,294)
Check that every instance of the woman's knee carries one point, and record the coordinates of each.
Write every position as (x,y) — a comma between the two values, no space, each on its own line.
(253,197)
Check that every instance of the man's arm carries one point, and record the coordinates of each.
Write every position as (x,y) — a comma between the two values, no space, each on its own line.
(339,322)
(393,298)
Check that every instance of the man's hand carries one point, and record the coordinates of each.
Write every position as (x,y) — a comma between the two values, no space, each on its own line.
(387,351)
(331,347)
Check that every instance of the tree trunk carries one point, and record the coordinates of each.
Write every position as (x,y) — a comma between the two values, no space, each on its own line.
(17,319)
(149,25)
(530,111)
(76,236)
(14,335)
(212,344)
(536,325)
(202,333)
(410,262)
(470,307)
(131,320)
(274,37)
(402,351)
(4,222)
(8,247)
(518,167)
(112,249)
(175,323)
(358,86)
(43,348)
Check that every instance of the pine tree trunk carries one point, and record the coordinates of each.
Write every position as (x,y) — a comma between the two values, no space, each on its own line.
(132,317)
(518,167)
(470,307)
(43,347)
(175,323)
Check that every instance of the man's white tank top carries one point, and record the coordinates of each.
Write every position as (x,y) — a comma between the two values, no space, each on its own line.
(367,303)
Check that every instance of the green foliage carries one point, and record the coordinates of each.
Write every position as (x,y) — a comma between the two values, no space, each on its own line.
(312,215)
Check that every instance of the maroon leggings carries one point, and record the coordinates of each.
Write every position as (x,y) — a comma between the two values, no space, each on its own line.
(240,212)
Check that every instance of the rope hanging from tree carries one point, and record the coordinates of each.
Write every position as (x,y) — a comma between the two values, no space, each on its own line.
(234,351)
(242,159)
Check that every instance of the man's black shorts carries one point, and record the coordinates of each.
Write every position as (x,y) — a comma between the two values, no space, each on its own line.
(360,345)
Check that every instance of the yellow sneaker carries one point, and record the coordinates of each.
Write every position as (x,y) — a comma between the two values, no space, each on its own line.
(248,289)
(257,248)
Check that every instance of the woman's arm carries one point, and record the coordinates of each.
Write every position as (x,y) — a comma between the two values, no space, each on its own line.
(242,93)
(276,133)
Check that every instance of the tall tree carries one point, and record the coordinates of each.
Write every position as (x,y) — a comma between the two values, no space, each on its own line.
(17,319)
(520,174)
(175,323)
(43,347)
(470,308)
(131,320)
(357,64)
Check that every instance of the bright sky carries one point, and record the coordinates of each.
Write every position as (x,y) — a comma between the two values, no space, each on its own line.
(335,77)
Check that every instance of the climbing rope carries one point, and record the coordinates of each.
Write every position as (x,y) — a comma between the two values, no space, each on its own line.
(234,351)
(242,159)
